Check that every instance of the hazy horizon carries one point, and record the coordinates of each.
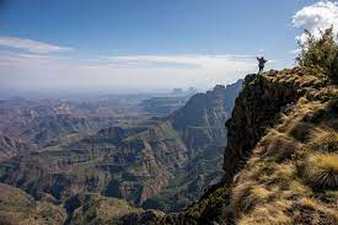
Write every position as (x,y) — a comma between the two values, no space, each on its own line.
(95,92)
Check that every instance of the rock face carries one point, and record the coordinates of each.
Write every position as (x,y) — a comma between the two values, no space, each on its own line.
(280,163)
(205,111)
(256,109)
(165,166)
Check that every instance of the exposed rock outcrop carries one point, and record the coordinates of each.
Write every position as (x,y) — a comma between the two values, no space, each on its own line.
(257,109)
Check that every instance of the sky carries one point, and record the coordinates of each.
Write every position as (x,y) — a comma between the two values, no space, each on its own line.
(149,45)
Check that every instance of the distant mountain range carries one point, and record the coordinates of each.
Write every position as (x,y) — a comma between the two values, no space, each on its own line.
(165,164)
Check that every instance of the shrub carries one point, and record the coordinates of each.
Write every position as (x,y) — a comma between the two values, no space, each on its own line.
(321,170)
(320,55)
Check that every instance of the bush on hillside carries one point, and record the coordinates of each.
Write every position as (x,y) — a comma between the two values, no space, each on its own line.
(320,55)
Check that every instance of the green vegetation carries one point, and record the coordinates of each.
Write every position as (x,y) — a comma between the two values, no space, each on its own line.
(320,55)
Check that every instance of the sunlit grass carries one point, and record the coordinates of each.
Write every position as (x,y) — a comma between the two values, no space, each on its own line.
(269,214)
(321,170)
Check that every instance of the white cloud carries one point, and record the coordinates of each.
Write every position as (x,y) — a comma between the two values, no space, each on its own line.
(123,72)
(180,61)
(316,17)
(31,46)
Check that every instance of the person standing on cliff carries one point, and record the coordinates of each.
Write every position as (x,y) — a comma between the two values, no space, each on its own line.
(261,63)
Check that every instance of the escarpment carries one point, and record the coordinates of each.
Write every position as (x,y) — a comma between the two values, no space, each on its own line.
(257,108)
(280,162)
(290,173)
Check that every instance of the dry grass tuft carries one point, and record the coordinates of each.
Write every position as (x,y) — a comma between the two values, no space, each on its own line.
(280,147)
(321,170)
(297,187)
(247,196)
(270,214)
(301,131)
(283,174)
(326,141)
(308,211)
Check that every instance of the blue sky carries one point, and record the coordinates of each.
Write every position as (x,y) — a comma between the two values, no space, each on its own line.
(143,44)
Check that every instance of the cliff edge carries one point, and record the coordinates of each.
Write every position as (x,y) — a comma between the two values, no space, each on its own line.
(281,161)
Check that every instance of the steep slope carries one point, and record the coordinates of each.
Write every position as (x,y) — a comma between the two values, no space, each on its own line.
(200,125)
(281,159)
(292,172)
(165,166)
(205,111)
